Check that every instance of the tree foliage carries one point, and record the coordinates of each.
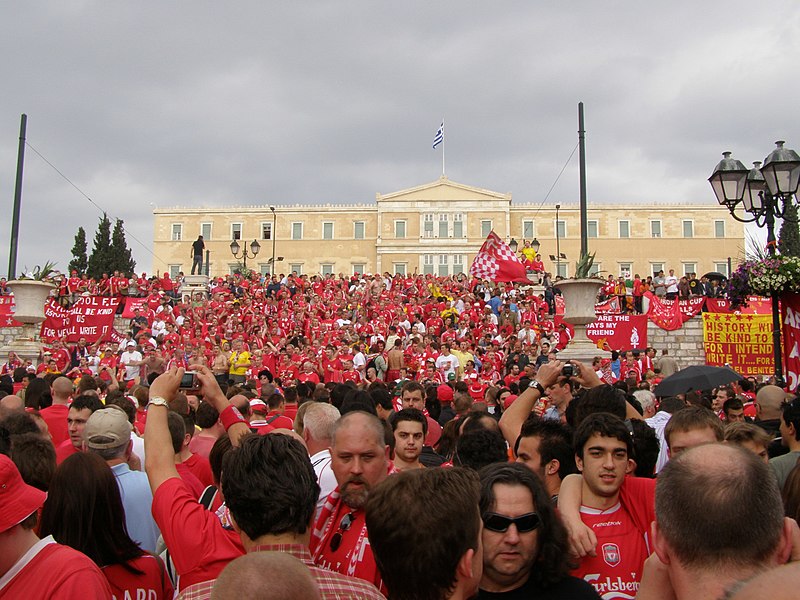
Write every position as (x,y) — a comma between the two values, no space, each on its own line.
(120,253)
(100,259)
(79,260)
(789,238)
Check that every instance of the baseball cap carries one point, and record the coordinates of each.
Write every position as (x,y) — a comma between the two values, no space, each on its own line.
(131,343)
(256,404)
(444,393)
(107,428)
(18,500)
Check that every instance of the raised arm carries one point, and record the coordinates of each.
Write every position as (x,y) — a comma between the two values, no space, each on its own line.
(513,418)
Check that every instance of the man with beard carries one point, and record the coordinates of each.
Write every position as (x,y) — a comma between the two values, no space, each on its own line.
(409,428)
(360,461)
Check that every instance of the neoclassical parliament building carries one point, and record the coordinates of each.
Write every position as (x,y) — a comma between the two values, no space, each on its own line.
(438,227)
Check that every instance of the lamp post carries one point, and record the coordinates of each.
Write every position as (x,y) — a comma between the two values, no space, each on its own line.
(558,244)
(513,245)
(255,247)
(272,233)
(535,245)
(762,193)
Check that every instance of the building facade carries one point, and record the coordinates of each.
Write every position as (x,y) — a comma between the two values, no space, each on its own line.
(438,227)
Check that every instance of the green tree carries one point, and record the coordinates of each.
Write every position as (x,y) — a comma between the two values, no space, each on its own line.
(121,257)
(789,238)
(79,261)
(100,259)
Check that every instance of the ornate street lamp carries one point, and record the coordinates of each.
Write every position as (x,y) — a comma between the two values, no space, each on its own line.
(255,247)
(761,194)
(513,245)
(535,245)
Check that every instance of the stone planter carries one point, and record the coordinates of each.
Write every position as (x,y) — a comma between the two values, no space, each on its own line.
(580,296)
(29,299)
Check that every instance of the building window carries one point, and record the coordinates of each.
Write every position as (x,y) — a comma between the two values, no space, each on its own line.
(527,229)
(265,269)
(297,231)
(443,271)
(359,268)
(177,232)
(236,231)
(688,229)
(205,231)
(591,229)
(458,225)
(719,230)
(656,267)
(266,231)
(486,228)
(458,264)
(722,267)
(399,268)
(326,268)
(689,267)
(358,230)
(296,268)
(427,227)
(561,269)
(443,226)
(327,230)
(625,269)
(561,229)
(624,229)
(594,269)
(427,264)
(174,270)
(399,229)
(655,229)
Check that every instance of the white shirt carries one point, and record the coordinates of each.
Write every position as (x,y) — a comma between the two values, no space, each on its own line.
(127,357)
(321,462)
(448,363)
(672,283)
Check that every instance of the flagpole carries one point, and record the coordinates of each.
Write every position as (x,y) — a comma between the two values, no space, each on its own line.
(443,174)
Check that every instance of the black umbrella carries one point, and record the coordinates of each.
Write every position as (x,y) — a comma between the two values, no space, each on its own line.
(715,276)
(697,377)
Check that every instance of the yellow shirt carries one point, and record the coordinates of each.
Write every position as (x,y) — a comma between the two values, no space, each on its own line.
(237,359)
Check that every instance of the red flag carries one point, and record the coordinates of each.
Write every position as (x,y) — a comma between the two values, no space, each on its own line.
(496,262)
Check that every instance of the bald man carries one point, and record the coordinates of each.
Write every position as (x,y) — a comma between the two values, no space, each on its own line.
(781,583)
(719,521)
(56,415)
(12,403)
(265,576)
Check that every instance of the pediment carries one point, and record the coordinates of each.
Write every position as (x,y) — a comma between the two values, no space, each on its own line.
(443,190)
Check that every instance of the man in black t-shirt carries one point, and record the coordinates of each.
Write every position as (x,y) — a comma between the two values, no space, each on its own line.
(197,254)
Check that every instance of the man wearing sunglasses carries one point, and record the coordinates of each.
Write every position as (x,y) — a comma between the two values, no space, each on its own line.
(525,549)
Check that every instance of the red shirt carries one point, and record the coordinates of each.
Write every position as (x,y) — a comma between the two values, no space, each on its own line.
(282,422)
(200,468)
(190,479)
(198,543)
(65,449)
(153,583)
(57,572)
(56,418)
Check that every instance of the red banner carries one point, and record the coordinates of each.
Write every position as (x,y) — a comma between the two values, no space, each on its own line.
(132,304)
(756,305)
(91,317)
(619,332)
(7,312)
(610,306)
(671,314)
(560,305)
(742,342)
(790,316)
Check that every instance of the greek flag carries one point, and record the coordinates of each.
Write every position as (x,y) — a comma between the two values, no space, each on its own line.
(439,137)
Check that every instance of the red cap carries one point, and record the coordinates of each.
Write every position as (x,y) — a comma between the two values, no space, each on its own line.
(444,393)
(18,500)
(509,400)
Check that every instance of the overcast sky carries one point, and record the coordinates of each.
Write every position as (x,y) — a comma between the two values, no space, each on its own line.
(145,104)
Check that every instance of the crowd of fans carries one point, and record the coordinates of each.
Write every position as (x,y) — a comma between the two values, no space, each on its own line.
(401,437)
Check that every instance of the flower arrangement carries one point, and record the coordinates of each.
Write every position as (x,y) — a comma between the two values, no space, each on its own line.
(45,272)
(763,277)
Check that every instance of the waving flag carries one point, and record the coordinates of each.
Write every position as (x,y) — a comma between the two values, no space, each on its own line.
(439,137)
(496,262)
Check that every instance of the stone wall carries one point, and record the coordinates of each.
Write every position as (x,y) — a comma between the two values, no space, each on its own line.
(684,344)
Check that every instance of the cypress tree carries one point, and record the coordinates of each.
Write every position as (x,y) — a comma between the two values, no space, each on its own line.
(122,259)
(789,237)
(79,261)
(100,259)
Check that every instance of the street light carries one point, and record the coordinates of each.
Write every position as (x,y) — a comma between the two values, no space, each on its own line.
(513,245)
(272,233)
(558,244)
(762,193)
(535,245)
(255,247)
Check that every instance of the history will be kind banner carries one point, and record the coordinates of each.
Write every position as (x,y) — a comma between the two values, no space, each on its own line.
(743,342)
(91,317)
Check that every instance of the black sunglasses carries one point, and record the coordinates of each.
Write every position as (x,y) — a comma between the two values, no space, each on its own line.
(344,525)
(501,523)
